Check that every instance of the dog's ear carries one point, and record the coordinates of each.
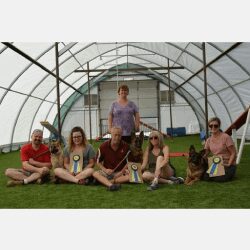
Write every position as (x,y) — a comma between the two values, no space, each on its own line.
(141,135)
(133,135)
(192,149)
(202,152)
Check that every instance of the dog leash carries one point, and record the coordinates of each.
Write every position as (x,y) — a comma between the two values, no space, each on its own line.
(43,153)
(125,157)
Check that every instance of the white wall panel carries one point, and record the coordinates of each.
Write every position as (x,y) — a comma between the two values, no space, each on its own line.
(24,121)
(9,111)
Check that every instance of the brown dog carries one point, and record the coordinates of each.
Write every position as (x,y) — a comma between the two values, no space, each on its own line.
(197,166)
(56,154)
(136,154)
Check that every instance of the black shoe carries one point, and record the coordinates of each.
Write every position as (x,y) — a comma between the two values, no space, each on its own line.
(180,180)
(176,180)
(89,180)
(114,187)
(153,187)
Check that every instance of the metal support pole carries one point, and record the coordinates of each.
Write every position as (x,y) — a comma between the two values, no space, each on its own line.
(90,128)
(205,86)
(170,102)
(158,106)
(58,92)
(99,109)
(128,69)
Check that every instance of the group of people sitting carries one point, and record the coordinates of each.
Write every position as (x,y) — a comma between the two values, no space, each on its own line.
(111,159)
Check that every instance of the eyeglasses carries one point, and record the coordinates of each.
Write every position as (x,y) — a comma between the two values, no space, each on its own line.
(76,137)
(213,125)
(153,137)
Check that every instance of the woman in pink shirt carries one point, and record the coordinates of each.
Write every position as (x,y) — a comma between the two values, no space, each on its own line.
(221,144)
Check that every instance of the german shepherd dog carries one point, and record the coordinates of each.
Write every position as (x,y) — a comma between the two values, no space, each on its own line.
(197,166)
(136,154)
(56,152)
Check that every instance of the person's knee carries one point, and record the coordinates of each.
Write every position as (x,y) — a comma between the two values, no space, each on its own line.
(57,171)
(90,171)
(46,171)
(160,158)
(146,176)
(7,172)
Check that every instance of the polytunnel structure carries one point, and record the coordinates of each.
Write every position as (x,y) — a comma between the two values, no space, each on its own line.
(38,81)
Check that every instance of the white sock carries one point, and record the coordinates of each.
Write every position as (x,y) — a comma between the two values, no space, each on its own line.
(155,181)
(25,181)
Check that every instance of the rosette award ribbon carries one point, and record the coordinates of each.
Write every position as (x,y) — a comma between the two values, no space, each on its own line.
(135,174)
(76,162)
(215,166)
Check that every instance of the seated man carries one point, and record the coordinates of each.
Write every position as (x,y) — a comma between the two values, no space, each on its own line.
(36,163)
(111,159)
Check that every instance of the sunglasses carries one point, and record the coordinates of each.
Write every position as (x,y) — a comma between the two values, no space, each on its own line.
(213,125)
(153,137)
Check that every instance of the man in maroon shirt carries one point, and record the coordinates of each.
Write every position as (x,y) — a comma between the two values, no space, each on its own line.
(36,163)
(111,159)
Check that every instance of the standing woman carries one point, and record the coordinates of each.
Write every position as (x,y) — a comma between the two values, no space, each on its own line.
(221,144)
(155,165)
(125,114)
(78,153)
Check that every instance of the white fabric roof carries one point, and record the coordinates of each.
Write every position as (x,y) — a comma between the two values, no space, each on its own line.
(28,93)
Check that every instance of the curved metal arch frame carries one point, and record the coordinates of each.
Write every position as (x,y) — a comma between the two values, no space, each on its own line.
(73,55)
(156,64)
(182,78)
(183,50)
(141,59)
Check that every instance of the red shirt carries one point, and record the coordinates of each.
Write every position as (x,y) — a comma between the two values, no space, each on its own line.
(28,152)
(110,158)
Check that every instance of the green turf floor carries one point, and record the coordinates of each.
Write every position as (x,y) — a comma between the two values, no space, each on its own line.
(233,194)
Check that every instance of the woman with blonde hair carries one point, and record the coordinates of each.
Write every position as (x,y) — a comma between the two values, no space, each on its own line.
(79,158)
(156,165)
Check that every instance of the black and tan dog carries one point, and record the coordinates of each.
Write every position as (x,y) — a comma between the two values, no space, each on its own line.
(136,152)
(197,166)
(56,152)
